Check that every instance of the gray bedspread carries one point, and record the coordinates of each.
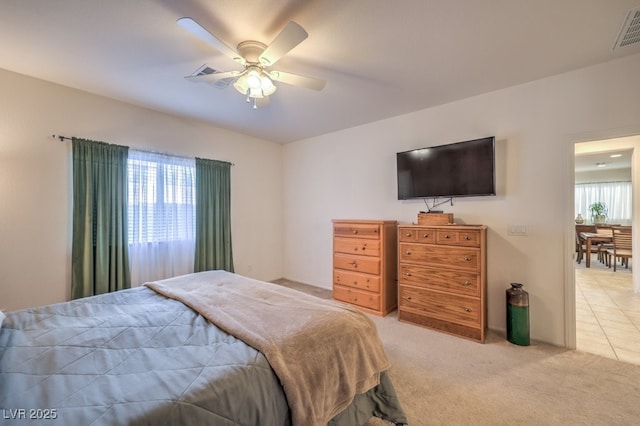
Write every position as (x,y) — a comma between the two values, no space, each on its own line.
(324,353)
(137,357)
(131,357)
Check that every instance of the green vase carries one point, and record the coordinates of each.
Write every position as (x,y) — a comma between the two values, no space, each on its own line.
(518,315)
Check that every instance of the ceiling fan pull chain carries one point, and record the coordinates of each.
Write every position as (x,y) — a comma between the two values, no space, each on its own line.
(255,103)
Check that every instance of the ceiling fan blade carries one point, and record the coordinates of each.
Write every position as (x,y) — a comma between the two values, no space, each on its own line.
(209,78)
(298,80)
(198,30)
(291,36)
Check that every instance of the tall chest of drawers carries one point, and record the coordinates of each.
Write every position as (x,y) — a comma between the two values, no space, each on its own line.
(365,265)
(442,278)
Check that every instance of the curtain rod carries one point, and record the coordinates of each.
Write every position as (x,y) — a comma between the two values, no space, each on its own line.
(65,138)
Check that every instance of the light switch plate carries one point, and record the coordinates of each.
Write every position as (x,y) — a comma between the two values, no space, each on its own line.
(518,230)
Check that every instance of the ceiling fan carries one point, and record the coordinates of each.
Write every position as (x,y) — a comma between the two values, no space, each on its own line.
(255,80)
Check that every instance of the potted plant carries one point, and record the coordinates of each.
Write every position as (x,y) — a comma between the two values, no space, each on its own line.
(598,212)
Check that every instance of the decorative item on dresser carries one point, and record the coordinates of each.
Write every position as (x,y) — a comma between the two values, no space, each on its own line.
(365,265)
(442,279)
(435,218)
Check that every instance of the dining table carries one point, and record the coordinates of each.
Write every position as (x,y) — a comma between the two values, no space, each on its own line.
(601,236)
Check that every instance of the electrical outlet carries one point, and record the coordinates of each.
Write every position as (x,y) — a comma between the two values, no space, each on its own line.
(518,230)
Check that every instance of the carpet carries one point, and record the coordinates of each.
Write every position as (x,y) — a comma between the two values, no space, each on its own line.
(446,380)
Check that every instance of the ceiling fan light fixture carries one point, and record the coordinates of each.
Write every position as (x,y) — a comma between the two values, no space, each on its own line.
(253,79)
(255,83)
(255,93)
(267,85)
(241,84)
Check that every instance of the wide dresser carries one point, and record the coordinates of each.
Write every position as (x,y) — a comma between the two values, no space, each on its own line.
(442,278)
(365,264)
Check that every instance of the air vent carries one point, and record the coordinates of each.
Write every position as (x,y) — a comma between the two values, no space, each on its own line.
(630,32)
(205,70)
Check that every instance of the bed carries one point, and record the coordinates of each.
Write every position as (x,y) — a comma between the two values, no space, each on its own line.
(207,348)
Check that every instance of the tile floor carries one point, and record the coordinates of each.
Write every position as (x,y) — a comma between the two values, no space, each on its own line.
(607,312)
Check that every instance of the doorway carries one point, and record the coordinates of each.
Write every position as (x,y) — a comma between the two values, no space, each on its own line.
(607,309)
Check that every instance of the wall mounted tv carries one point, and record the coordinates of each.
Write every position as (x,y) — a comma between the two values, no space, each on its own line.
(463,169)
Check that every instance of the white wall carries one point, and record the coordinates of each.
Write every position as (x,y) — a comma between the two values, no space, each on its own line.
(35,182)
(615,175)
(351,174)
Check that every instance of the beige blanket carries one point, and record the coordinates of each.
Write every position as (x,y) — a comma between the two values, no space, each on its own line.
(324,353)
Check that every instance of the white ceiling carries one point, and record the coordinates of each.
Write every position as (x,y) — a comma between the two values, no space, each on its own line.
(380,58)
(591,162)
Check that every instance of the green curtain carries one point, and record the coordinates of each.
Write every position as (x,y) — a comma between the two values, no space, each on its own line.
(213,216)
(99,254)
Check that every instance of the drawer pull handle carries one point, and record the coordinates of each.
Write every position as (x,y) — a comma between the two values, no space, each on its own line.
(355,231)
(408,274)
(447,236)
(408,234)
(407,297)
(467,309)
(354,264)
(467,283)
(468,259)
(466,237)
(408,253)
(425,236)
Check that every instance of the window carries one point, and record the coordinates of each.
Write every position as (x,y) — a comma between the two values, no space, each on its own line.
(616,196)
(161,210)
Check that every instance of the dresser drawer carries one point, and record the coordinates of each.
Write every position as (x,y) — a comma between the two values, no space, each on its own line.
(357,246)
(450,257)
(355,280)
(357,230)
(355,263)
(469,238)
(407,234)
(423,235)
(460,282)
(450,307)
(357,297)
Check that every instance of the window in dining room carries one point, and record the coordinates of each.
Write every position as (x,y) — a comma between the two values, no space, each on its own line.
(617,196)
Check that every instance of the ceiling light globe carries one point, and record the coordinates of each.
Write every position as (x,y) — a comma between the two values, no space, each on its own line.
(267,86)
(241,84)
(253,79)
(255,93)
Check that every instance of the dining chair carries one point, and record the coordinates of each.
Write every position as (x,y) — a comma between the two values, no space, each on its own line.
(604,246)
(581,246)
(621,247)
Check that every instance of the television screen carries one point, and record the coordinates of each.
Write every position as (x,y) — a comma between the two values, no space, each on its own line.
(462,169)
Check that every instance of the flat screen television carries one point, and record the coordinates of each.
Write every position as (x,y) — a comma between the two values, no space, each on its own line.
(462,169)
